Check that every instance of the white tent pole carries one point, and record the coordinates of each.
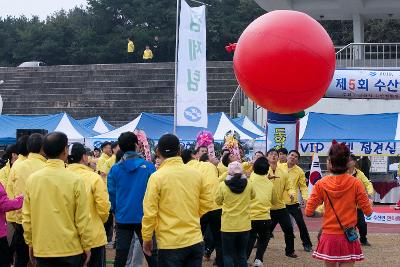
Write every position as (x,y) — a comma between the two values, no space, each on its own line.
(176,63)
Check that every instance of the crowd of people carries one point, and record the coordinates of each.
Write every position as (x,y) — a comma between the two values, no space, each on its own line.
(61,205)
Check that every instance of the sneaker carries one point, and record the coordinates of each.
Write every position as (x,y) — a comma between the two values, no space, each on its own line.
(365,244)
(258,263)
(291,255)
(307,248)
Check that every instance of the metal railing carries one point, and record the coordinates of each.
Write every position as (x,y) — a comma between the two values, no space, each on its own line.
(366,55)
(237,102)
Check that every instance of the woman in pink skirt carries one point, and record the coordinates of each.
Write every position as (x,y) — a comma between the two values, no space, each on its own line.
(340,193)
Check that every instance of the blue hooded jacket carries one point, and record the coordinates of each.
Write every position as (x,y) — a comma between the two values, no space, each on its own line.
(127,183)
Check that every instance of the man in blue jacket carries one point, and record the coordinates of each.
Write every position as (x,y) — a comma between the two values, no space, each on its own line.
(127,183)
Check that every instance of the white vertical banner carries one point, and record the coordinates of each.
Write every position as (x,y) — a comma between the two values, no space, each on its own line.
(191,98)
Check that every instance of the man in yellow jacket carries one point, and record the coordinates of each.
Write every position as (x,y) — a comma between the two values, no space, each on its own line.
(361,224)
(97,199)
(130,49)
(279,213)
(56,214)
(298,179)
(111,161)
(106,153)
(260,208)
(34,162)
(176,197)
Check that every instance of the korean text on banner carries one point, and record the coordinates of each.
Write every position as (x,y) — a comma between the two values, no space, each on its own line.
(191,102)
(281,135)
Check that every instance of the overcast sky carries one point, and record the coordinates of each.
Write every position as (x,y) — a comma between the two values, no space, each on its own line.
(42,8)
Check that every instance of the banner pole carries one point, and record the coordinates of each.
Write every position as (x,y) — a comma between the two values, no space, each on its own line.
(176,64)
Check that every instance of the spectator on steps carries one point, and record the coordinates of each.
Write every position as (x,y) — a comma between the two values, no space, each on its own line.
(147,55)
(156,45)
(131,49)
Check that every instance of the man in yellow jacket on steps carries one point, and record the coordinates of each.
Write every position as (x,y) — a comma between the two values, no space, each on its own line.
(56,214)
(176,197)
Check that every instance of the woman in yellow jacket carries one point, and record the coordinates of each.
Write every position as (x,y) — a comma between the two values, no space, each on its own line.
(97,199)
(235,195)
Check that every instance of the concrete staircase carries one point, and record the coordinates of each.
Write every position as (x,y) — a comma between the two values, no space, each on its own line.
(117,92)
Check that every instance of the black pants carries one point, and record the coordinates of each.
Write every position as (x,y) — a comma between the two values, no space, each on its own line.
(213,220)
(98,257)
(262,230)
(295,211)
(72,261)
(191,256)
(282,217)
(234,248)
(362,226)
(123,239)
(5,253)
(21,248)
(109,227)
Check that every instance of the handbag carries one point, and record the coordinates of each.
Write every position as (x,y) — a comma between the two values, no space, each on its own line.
(349,232)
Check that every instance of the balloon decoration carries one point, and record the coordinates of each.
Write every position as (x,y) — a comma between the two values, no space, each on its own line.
(232,139)
(205,138)
(143,143)
(284,61)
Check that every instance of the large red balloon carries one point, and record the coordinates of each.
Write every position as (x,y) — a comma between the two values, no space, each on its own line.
(284,61)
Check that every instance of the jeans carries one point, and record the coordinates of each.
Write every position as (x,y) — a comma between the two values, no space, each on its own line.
(21,248)
(213,220)
(5,253)
(124,235)
(262,229)
(282,217)
(98,257)
(135,256)
(234,248)
(191,256)
(362,226)
(295,211)
(71,261)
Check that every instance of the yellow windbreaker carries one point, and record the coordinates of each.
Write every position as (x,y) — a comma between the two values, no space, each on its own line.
(98,200)
(109,163)
(282,185)
(131,47)
(4,174)
(265,197)
(101,162)
(56,214)
(33,163)
(367,183)
(298,179)
(235,208)
(221,168)
(210,173)
(11,216)
(147,54)
(176,197)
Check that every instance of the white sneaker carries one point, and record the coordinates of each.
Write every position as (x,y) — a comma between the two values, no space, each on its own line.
(258,263)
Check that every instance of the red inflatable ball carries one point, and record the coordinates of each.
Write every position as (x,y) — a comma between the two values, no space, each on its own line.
(284,61)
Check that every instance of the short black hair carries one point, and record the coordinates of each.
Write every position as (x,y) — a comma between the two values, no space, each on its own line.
(114,144)
(10,149)
(104,144)
(295,151)
(353,157)
(259,152)
(225,159)
(272,150)
(119,155)
(261,166)
(186,155)
(22,149)
(204,157)
(54,144)
(198,149)
(168,146)
(77,150)
(96,149)
(127,141)
(282,150)
(35,143)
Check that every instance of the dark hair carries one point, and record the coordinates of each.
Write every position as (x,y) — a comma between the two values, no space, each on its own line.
(225,159)
(259,152)
(204,157)
(119,155)
(22,149)
(127,141)
(35,143)
(198,149)
(104,144)
(54,144)
(225,149)
(114,144)
(295,151)
(168,146)
(76,152)
(339,157)
(271,151)
(10,149)
(353,157)
(96,149)
(261,166)
(186,155)
(282,150)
